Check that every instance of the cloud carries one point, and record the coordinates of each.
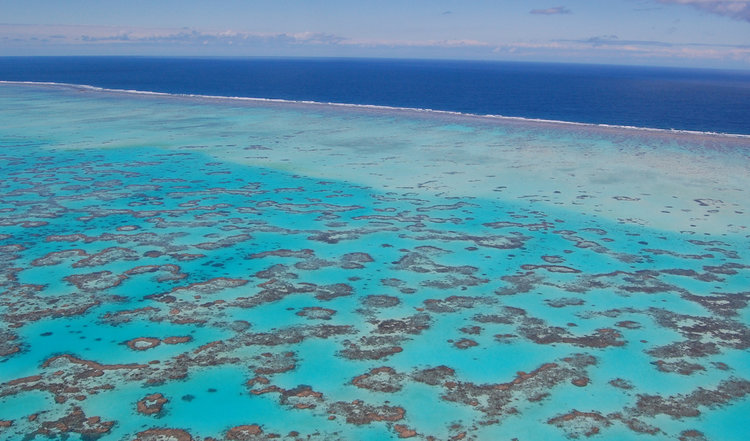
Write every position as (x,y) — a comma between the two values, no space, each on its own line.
(610,48)
(97,35)
(614,40)
(737,9)
(417,43)
(58,39)
(551,11)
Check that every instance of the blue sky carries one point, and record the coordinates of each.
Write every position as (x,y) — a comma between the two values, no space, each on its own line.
(703,33)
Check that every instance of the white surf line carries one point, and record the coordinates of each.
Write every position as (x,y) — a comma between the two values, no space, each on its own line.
(374,107)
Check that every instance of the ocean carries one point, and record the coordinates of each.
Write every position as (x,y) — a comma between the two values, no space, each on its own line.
(654,97)
(199,249)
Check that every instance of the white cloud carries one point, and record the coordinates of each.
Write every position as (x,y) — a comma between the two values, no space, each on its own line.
(737,9)
(609,47)
(59,34)
(551,11)
(101,35)
(132,40)
(416,43)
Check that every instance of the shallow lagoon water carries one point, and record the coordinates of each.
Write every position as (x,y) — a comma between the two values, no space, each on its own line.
(190,267)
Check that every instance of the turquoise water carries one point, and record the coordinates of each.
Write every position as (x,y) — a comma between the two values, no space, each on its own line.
(244,269)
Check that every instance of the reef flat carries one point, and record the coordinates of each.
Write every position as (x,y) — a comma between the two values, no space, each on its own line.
(192,268)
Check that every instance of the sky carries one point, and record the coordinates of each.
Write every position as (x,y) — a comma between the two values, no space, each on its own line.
(694,33)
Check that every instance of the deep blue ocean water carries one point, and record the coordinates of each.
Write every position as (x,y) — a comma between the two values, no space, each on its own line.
(666,98)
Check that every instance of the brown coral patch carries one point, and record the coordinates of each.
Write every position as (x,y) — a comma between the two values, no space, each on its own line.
(106,256)
(564,301)
(301,397)
(465,343)
(161,434)
(689,348)
(316,313)
(404,431)
(380,301)
(359,413)
(680,406)
(29,379)
(727,305)
(355,260)
(208,346)
(91,364)
(628,324)
(75,422)
(553,259)
(211,286)
(57,257)
(143,343)
(433,376)
(621,383)
(224,242)
(124,315)
(330,292)
(601,338)
(357,352)
(580,381)
(169,272)
(471,330)
(577,423)
(301,254)
(522,376)
(499,399)
(680,367)
(551,268)
(414,324)
(128,228)
(151,404)
(454,303)
(269,363)
(692,435)
(183,257)
(96,281)
(382,379)
(245,432)
(177,340)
